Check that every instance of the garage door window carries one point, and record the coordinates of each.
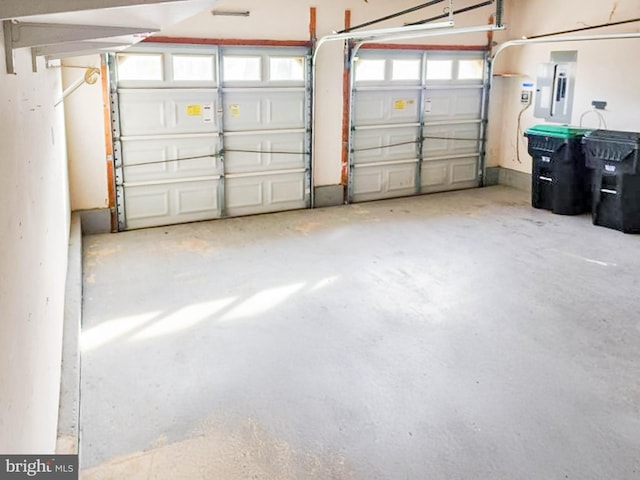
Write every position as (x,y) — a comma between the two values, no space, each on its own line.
(286,69)
(406,69)
(193,68)
(439,69)
(238,68)
(370,70)
(140,67)
(471,69)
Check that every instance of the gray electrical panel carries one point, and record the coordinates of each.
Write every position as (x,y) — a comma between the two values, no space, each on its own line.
(555,87)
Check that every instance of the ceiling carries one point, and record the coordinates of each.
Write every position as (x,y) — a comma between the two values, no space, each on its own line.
(59,28)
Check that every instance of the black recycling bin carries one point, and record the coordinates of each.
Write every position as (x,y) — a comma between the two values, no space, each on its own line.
(560,181)
(613,156)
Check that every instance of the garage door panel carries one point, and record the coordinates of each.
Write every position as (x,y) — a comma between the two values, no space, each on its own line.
(265,110)
(195,113)
(435,174)
(286,111)
(164,204)
(401,179)
(158,112)
(384,181)
(383,107)
(144,203)
(196,198)
(259,152)
(370,110)
(438,105)
(245,193)
(287,190)
(145,159)
(443,140)
(449,174)
(458,103)
(468,103)
(368,181)
(249,195)
(144,116)
(151,159)
(464,171)
(384,144)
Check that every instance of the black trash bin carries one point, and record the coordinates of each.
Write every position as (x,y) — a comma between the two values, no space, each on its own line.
(613,156)
(560,180)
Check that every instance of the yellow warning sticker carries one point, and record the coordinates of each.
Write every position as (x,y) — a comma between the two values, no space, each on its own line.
(399,104)
(194,110)
(234,109)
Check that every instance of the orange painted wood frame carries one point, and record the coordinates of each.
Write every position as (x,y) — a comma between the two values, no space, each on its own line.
(346,105)
(313,24)
(422,48)
(229,42)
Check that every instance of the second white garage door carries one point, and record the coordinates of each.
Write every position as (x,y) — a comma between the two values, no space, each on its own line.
(205,132)
(416,123)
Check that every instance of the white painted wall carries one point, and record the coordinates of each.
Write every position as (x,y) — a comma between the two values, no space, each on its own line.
(607,70)
(34,233)
(85,133)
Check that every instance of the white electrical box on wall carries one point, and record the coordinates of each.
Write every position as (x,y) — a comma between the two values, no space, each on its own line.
(555,91)
(526,94)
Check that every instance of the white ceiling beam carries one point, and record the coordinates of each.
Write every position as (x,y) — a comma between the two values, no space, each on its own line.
(36,34)
(20,35)
(73,49)
(26,8)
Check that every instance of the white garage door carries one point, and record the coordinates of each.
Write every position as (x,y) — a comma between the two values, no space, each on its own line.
(416,123)
(203,132)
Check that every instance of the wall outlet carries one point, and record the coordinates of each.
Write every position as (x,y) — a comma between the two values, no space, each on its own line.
(598,104)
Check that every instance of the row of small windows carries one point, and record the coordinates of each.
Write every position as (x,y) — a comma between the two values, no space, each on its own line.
(201,68)
(377,70)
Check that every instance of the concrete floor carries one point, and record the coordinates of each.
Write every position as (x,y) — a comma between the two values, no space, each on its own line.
(455,336)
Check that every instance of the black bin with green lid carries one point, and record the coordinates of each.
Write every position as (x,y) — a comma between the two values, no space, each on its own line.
(560,181)
(614,159)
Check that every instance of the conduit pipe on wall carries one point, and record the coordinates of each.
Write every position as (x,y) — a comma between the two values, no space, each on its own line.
(531,41)
(90,77)
(381,33)
(457,31)
(580,38)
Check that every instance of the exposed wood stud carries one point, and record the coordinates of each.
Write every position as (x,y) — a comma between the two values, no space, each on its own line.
(346,96)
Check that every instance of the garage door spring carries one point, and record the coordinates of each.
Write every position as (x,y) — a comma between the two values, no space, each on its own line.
(213,155)
(277,152)
(413,142)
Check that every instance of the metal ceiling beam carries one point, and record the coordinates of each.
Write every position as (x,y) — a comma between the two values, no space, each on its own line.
(24,8)
(74,49)
(36,34)
(20,35)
